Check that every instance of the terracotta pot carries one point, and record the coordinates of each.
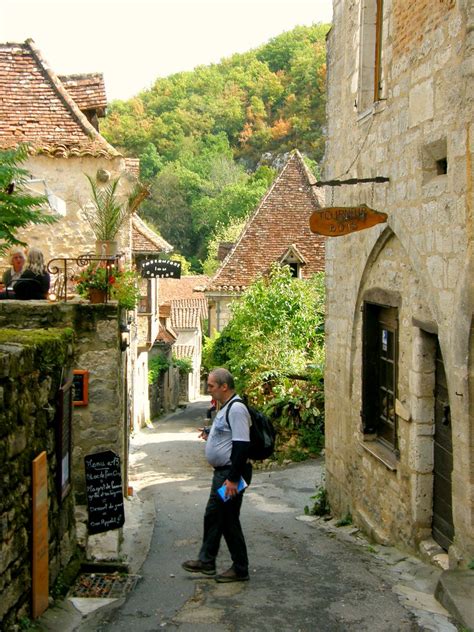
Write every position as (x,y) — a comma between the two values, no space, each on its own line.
(97,296)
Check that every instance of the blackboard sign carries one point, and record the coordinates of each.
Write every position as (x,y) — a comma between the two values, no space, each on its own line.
(104,491)
(80,385)
(153,268)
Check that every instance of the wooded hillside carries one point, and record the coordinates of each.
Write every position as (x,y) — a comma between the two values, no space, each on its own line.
(206,138)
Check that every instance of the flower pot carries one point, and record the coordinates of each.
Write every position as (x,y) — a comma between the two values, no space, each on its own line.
(97,296)
(106,248)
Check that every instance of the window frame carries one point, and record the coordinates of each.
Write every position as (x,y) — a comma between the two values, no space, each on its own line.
(376,382)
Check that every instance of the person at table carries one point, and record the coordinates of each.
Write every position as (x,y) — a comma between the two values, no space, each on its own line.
(35,280)
(17,263)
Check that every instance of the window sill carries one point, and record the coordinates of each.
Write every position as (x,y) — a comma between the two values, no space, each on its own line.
(381,453)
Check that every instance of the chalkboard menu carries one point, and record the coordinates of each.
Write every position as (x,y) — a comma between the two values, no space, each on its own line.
(104,491)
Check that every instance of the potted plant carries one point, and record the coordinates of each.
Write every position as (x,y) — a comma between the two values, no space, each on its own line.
(107,213)
(97,282)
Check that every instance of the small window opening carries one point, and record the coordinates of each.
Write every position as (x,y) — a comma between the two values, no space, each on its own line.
(442,166)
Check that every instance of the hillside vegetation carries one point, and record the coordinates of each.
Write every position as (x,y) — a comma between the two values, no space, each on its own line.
(208,139)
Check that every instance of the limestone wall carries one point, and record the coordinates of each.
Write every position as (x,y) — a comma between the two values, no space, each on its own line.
(31,365)
(424,253)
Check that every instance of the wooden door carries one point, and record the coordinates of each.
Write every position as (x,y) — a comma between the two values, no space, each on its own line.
(442,528)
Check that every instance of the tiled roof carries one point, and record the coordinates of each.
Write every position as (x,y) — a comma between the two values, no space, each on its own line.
(199,303)
(88,91)
(36,108)
(145,240)
(280,221)
(133,166)
(165,335)
(183,351)
(185,287)
(185,317)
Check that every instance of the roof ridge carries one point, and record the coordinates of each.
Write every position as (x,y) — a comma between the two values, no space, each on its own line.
(67,100)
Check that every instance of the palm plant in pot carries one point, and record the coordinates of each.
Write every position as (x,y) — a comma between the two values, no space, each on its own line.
(107,213)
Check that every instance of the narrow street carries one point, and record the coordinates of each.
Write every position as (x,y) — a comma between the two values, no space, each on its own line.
(307,575)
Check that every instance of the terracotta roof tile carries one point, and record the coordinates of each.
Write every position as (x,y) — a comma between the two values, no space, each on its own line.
(280,221)
(36,108)
(165,335)
(145,240)
(185,287)
(87,91)
(185,317)
(200,303)
(183,351)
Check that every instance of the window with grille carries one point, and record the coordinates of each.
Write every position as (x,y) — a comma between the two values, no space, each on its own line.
(380,351)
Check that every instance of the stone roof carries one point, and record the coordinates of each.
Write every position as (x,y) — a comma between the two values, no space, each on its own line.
(183,288)
(145,240)
(88,91)
(280,222)
(36,108)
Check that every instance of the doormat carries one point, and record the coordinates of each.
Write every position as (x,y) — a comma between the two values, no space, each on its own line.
(103,585)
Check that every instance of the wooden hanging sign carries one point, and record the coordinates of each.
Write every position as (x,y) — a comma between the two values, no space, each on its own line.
(343,220)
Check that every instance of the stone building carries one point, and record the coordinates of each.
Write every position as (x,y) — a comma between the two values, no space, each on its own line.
(277,232)
(188,311)
(399,329)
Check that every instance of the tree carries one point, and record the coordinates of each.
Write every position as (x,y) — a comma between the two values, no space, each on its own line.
(274,346)
(18,208)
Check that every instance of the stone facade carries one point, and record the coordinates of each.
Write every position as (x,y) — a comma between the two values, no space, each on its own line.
(31,365)
(415,129)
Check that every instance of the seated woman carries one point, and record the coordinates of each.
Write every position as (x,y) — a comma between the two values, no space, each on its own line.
(34,281)
(11,276)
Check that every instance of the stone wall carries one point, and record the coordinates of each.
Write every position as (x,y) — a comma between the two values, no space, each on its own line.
(31,366)
(423,253)
(71,235)
(101,425)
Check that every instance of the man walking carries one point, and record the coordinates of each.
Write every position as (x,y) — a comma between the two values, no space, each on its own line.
(226,450)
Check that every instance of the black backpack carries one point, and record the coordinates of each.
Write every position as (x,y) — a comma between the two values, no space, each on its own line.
(262,433)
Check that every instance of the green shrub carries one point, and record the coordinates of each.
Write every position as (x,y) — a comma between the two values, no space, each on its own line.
(156,366)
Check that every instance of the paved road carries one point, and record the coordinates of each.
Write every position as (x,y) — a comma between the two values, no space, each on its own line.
(306,576)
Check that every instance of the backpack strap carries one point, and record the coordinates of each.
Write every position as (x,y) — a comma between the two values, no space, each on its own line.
(229,404)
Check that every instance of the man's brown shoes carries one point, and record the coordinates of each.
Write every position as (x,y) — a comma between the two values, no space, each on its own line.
(230,576)
(196,566)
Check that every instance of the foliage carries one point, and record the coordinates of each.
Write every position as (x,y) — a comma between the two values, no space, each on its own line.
(344,521)
(184,365)
(320,505)
(201,135)
(156,366)
(274,346)
(222,234)
(18,208)
(106,213)
(122,284)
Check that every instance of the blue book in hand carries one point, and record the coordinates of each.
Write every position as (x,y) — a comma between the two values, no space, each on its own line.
(221,491)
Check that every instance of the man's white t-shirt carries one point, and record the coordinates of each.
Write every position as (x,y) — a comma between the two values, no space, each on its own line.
(219,442)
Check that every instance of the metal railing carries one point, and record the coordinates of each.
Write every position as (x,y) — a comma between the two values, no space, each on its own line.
(65,273)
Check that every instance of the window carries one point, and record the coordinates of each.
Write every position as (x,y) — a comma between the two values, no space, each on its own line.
(371,71)
(379,376)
